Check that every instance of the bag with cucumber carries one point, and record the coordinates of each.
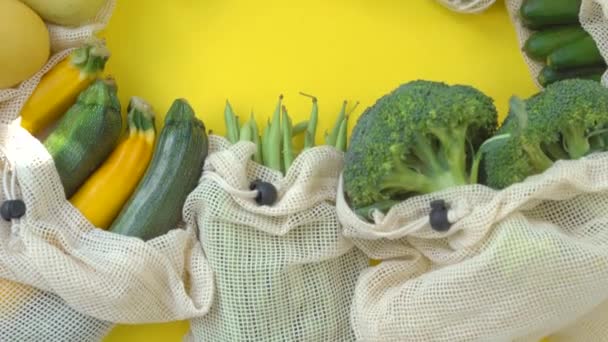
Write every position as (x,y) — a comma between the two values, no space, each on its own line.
(53,29)
(92,227)
(562,39)
(268,226)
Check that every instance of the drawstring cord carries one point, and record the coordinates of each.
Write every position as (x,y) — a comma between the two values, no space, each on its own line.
(9,185)
(249,194)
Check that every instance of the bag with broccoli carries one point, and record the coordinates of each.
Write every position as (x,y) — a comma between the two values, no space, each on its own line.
(562,39)
(282,270)
(482,234)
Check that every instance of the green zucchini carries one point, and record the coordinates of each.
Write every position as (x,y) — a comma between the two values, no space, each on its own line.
(177,164)
(538,14)
(86,134)
(549,75)
(577,54)
(543,43)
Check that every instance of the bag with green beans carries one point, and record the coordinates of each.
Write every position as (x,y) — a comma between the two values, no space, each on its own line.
(562,39)
(268,226)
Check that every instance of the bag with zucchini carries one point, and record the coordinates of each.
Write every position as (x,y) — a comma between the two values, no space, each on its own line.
(92,232)
(562,39)
(53,30)
(268,226)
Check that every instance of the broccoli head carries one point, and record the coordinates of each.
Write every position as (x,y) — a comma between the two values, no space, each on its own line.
(568,120)
(420,138)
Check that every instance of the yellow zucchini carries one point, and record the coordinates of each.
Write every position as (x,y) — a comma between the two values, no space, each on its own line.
(59,88)
(103,195)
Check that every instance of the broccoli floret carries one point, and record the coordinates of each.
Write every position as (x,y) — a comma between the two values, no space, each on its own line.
(568,120)
(420,138)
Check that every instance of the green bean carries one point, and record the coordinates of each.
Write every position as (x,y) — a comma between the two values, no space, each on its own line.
(309,139)
(299,128)
(287,143)
(333,136)
(265,144)
(246,132)
(257,157)
(274,139)
(232,127)
(341,140)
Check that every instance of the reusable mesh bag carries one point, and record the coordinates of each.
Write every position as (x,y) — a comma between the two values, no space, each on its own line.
(516,264)
(593,17)
(61,279)
(63,41)
(467,6)
(282,272)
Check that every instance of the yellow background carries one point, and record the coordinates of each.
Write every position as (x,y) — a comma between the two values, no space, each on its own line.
(251,51)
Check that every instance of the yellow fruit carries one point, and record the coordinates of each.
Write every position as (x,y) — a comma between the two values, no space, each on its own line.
(59,88)
(25,44)
(66,12)
(104,194)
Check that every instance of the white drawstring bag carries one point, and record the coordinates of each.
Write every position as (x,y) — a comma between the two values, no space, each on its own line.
(282,272)
(516,265)
(61,279)
(467,6)
(593,17)
(65,280)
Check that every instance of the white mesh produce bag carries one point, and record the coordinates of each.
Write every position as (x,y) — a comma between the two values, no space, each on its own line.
(593,17)
(63,41)
(284,272)
(467,6)
(516,264)
(77,279)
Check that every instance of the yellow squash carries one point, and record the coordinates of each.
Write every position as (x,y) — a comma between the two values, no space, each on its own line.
(104,194)
(59,88)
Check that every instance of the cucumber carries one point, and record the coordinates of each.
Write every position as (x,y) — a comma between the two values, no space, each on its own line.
(177,164)
(543,43)
(538,14)
(577,54)
(85,135)
(549,75)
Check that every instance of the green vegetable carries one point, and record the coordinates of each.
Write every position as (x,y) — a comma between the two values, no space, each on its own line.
(568,120)
(287,143)
(85,135)
(577,54)
(175,169)
(341,140)
(232,126)
(300,128)
(257,140)
(311,130)
(420,138)
(246,131)
(333,136)
(274,139)
(548,75)
(542,43)
(537,14)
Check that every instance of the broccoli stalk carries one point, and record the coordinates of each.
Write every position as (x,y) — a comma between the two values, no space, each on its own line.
(427,168)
